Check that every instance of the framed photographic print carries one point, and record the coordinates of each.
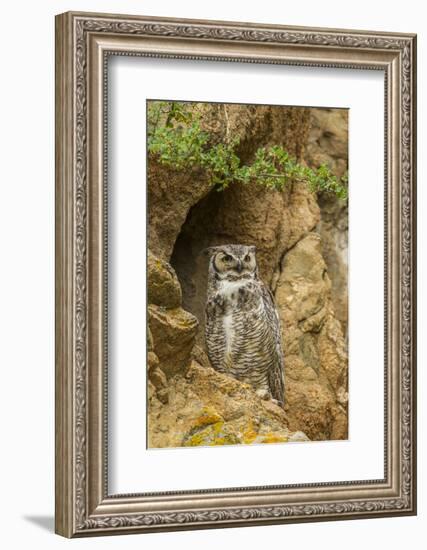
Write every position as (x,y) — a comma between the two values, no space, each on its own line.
(235,274)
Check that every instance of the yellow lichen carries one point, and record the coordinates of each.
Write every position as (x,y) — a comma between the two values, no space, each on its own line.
(223,435)
(208,416)
(271,437)
(249,434)
(213,435)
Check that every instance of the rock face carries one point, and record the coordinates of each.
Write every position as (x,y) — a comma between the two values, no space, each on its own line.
(328,143)
(164,289)
(300,252)
(247,214)
(172,329)
(315,358)
(173,333)
(207,408)
(170,196)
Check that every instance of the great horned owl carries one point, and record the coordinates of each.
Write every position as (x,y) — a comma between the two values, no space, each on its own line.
(243,333)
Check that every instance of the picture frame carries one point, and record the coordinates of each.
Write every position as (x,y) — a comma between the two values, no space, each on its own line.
(84,506)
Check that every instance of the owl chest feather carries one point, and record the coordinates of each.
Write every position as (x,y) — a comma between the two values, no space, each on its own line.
(234,296)
(243,331)
(229,293)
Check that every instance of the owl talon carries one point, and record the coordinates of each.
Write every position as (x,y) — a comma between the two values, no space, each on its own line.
(263,394)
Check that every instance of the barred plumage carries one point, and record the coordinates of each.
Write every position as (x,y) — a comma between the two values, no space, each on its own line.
(243,332)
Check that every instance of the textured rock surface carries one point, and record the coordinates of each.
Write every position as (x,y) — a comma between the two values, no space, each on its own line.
(248,214)
(157,383)
(171,194)
(327,139)
(208,408)
(301,254)
(164,288)
(173,331)
(328,143)
(257,126)
(316,359)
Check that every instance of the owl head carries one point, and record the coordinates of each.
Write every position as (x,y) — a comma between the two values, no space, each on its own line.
(233,261)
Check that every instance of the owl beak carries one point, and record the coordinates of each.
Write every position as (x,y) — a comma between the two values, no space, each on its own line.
(239,267)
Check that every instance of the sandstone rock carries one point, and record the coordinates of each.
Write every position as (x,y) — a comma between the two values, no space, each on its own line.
(314,347)
(173,333)
(257,126)
(188,215)
(163,285)
(302,249)
(159,383)
(218,433)
(250,214)
(200,356)
(162,395)
(208,408)
(150,343)
(327,140)
(152,360)
(298,436)
(334,233)
(304,286)
(158,378)
(171,194)
(327,143)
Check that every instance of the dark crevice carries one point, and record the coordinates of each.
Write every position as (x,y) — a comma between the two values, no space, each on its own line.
(190,263)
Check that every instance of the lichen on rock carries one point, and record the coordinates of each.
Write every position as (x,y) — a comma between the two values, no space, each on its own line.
(164,288)
(207,408)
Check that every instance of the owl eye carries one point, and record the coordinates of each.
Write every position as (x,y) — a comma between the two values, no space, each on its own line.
(247,258)
(227,258)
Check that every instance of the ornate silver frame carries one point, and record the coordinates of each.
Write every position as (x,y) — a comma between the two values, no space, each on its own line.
(83,42)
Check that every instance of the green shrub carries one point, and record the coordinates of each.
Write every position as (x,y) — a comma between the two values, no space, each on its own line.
(176,139)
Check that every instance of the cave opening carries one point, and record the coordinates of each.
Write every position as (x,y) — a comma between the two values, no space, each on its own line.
(188,259)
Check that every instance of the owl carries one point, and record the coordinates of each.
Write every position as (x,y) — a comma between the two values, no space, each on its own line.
(243,334)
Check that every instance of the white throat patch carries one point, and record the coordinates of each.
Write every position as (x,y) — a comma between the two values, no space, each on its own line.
(227,288)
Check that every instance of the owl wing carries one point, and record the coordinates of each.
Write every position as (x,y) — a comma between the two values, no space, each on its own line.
(214,330)
(276,373)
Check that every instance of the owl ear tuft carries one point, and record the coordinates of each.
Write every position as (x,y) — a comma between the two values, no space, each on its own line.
(210,250)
